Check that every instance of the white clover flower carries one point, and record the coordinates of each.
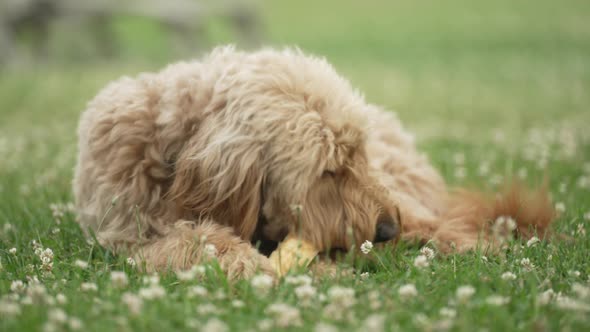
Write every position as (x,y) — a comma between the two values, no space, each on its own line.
(17,286)
(464,293)
(46,254)
(262,283)
(532,241)
(37,292)
(153,279)
(366,247)
(428,252)
(46,264)
(495,179)
(497,300)
(584,182)
(503,228)
(374,298)
(527,264)
(13,297)
(546,297)
(374,322)
(508,276)
(7,228)
(57,315)
(199,270)
(197,291)
(237,304)
(36,245)
(26,300)
(33,280)
(75,324)
(421,261)
(265,324)
(301,279)
(484,169)
(152,292)
(582,291)
(88,287)
(324,327)
(186,275)
(567,303)
(61,299)
(507,222)
(448,312)
(574,273)
(334,312)
(58,211)
(562,187)
(30,268)
(365,275)
(560,207)
(284,315)
(119,279)
(81,264)
(131,262)
(305,294)
(50,327)
(207,309)
(342,296)
(12,251)
(422,320)
(580,229)
(210,250)
(133,302)
(407,291)
(49,300)
(220,295)
(9,309)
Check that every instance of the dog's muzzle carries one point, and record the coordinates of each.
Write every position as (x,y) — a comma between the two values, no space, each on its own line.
(388,228)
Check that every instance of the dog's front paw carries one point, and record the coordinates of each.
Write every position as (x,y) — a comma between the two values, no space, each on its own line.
(244,262)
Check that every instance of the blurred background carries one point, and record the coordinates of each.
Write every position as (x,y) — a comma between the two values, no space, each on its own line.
(150,30)
(425,57)
(460,73)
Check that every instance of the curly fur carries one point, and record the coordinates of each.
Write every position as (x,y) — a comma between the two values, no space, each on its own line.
(454,220)
(213,149)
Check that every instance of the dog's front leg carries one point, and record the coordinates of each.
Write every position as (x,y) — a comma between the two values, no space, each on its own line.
(189,244)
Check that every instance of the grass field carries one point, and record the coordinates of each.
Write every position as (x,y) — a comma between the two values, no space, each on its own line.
(491,89)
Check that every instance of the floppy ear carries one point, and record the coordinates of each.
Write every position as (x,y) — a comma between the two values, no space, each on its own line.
(348,140)
(220,176)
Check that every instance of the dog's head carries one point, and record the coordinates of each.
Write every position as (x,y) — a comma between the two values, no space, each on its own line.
(288,147)
(334,200)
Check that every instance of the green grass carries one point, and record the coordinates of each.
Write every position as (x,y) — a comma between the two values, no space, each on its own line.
(504,83)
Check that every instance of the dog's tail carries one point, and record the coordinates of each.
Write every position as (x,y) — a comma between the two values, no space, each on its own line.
(475,218)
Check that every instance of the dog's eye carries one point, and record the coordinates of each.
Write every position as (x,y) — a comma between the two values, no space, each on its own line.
(330,174)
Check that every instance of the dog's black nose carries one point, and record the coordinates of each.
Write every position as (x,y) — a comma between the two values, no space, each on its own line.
(387,228)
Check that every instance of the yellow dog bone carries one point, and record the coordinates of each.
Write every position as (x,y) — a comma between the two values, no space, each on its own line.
(292,252)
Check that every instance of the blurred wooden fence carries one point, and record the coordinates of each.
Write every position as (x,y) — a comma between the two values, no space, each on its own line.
(183,18)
